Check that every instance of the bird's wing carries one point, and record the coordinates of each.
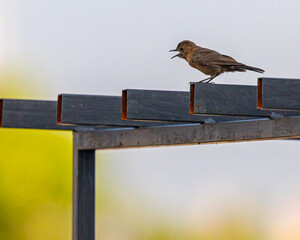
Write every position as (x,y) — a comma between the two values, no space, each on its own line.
(224,60)
(203,56)
(206,57)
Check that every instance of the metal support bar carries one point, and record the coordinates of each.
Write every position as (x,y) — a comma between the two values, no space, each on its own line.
(279,128)
(83,194)
(225,99)
(150,105)
(33,114)
(95,110)
(278,94)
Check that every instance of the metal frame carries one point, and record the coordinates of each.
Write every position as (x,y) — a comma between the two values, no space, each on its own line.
(95,111)
(238,131)
(243,100)
(83,194)
(83,114)
(157,105)
(85,144)
(278,94)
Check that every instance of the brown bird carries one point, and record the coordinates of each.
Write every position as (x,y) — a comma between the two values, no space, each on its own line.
(209,61)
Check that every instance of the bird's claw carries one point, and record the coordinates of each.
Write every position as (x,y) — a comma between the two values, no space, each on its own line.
(191,83)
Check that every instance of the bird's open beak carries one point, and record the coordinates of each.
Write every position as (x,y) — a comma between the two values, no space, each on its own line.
(177,55)
(174,50)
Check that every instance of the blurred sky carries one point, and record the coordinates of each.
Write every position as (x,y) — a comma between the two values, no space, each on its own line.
(102,47)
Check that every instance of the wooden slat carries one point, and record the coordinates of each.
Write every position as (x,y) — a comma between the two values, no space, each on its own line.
(29,114)
(280,128)
(95,110)
(83,194)
(278,94)
(145,105)
(232,100)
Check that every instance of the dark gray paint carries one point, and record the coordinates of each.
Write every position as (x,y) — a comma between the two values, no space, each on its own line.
(163,106)
(280,94)
(237,100)
(83,194)
(33,114)
(96,110)
(30,114)
(191,134)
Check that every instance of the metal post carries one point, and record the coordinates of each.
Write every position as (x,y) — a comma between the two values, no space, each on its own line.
(83,194)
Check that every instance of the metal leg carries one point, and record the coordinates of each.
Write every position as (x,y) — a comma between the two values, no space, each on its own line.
(83,194)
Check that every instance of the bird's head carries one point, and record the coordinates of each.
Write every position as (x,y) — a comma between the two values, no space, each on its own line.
(184,48)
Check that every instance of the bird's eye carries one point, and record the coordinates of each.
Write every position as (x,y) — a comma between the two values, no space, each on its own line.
(181,49)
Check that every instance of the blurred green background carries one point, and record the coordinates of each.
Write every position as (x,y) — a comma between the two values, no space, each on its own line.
(35,176)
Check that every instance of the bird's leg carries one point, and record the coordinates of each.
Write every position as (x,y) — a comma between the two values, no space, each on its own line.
(211,78)
(205,80)
(209,81)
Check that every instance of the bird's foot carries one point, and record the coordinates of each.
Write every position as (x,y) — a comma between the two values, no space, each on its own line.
(206,80)
(202,82)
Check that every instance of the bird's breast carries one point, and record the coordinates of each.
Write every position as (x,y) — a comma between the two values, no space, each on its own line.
(205,69)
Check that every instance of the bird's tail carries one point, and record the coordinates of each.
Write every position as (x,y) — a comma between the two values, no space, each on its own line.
(254,69)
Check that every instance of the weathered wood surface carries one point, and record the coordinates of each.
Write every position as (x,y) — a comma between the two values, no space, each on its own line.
(29,114)
(83,194)
(224,99)
(278,94)
(280,128)
(96,110)
(145,105)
